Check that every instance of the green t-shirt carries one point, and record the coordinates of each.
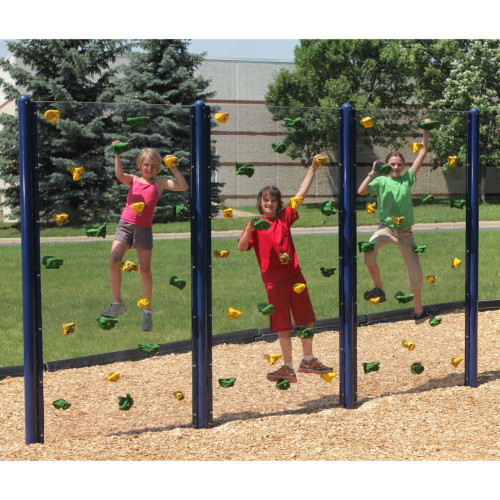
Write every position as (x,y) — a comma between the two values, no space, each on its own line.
(394,198)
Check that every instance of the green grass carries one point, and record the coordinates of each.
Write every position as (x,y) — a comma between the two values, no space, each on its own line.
(79,290)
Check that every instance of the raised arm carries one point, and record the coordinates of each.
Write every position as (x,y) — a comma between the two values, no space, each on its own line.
(120,174)
(177,184)
(363,188)
(419,160)
(308,179)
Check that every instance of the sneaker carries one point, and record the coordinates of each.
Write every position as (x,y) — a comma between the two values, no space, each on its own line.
(314,366)
(376,292)
(147,321)
(114,309)
(424,315)
(283,373)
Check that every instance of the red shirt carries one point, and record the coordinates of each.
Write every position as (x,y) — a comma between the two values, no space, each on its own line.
(270,243)
(137,192)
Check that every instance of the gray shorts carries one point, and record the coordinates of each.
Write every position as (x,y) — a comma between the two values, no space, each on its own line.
(138,237)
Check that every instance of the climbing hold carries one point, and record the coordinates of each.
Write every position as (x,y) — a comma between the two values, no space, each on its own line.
(138,207)
(435,321)
(455,263)
(416,146)
(420,249)
(221,254)
(61,404)
(178,395)
(280,147)
(233,313)
(428,125)
(283,384)
(107,323)
(374,300)
(366,122)
(366,246)
(67,328)
(371,208)
(402,298)
(247,170)
(265,309)
(227,382)
(228,213)
(427,198)
(417,368)
(289,122)
(143,301)
(295,201)
(127,266)
(299,287)
(150,349)
(260,224)
(97,231)
(113,377)
(52,115)
(382,168)
(431,279)
(61,219)
(51,262)
(137,121)
(179,210)
(327,271)
(371,367)
(398,220)
(284,258)
(125,403)
(328,377)
(457,203)
(170,161)
(456,361)
(452,161)
(177,282)
(222,117)
(328,208)
(272,358)
(119,147)
(321,160)
(76,172)
(409,345)
(304,333)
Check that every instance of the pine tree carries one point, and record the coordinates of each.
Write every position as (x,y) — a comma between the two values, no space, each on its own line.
(157,81)
(61,75)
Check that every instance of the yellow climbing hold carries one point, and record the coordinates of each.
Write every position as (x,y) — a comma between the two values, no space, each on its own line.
(221,254)
(295,201)
(272,358)
(371,208)
(52,115)
(321,160)
(138,207)
(397,220)
(61,219)
(284,258)
(233,313)
(170,161)
(452,161)
(456,263)
(127,266)
(374,301)
(144,301)
(409,345)
(67,328)
(222,117)
(456,361)
(77,172)
(228,213)
(416,146)
(113,377)
(299,287)
(431,279)
(179,396)
(328,376)
(367,122)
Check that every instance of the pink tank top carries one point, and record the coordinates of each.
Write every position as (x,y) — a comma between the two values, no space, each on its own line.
(137,192)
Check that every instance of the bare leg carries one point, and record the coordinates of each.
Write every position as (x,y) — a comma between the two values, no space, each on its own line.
(417,301)
(118,249)
(286,346)
(375,274)
(307,344)
(144,257)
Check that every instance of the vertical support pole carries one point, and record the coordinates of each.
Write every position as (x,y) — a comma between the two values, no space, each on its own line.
(347,257)
(30,250)
(201,267)
(472,247)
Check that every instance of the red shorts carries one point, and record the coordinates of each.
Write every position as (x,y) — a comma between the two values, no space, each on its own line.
(284,300)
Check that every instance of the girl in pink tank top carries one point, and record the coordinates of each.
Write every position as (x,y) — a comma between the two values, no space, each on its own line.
(135,227)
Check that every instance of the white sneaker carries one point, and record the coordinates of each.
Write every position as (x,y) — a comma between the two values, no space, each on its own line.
(114,309)
(147,321)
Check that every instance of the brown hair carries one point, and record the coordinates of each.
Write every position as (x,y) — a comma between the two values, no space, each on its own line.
(395,153)
(274,193)
(149,152)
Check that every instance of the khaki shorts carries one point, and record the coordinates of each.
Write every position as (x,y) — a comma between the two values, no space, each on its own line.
(138,237)
(403,240)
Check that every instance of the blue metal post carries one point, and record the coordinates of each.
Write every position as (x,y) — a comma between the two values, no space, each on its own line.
(201,268)
(30,249)
(347,256)
(472,248)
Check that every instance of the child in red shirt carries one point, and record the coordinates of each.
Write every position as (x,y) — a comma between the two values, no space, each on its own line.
(280,270)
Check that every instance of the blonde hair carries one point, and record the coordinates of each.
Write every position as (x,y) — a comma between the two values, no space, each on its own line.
(149,152)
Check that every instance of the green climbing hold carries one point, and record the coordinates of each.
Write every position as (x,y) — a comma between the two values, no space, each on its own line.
(283,384)
(107,323)
(179,210)
(402,298)
(304,333)
(289,122)
(427,198)
(420,249)
(435,321)
(119,147)
(371,367)
(150,349)
(125,403)
(280,147)
(51,262)
(457,203)
(177,282)
(327,271)
(382,168)
(366,246)
(429,125)
(265,309)
(417,368)
(138,121)
(227,382)
(247,170)
(328,208)
(61,404)
(260,224)
(97,231)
